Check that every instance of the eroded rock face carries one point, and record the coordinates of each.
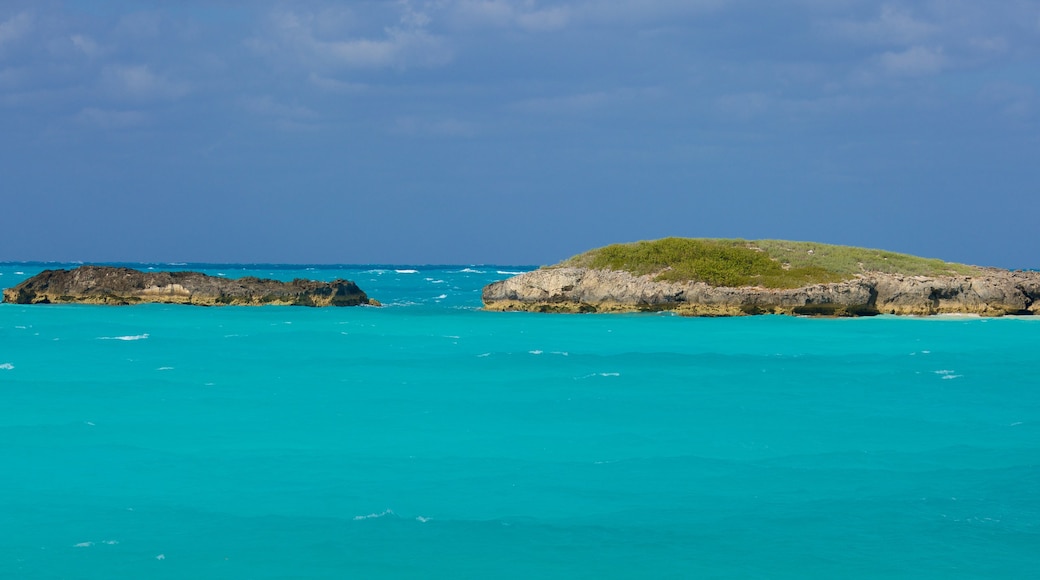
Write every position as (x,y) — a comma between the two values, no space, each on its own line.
(109,285)
(994,293)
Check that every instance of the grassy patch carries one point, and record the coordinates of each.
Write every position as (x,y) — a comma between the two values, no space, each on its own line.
(767,263)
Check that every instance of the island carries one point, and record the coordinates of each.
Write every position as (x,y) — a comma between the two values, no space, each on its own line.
(121,286)
(735,277)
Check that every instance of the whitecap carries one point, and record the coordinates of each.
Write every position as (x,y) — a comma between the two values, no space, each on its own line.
(373,516)
(7,367)
(407,271)
(164,369)
(561,352)
(610,374)
(452,336)
(83,545)
(486,354)
(470,271)
(441,297)
(128,337)
(534,352)
(507,272)
(110,542)
(422,519)
(161,557)
(22,273)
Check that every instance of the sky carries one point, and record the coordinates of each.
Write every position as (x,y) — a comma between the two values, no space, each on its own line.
(514,131)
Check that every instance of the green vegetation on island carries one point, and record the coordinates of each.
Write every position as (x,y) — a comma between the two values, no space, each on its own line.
(765,263)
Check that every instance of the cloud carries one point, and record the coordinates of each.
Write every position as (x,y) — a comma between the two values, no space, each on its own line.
(337,86)
(894,26)
(287,117)
(85,45)
(15,28)
(915,61)
(304,37)
(139,82)
(586,102)
(502,13)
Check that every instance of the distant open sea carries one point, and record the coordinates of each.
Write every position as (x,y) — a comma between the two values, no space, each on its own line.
(430,439)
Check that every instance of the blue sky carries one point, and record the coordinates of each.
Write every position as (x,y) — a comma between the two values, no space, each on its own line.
(514,132)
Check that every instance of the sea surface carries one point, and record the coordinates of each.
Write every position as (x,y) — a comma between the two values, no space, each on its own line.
(430,439)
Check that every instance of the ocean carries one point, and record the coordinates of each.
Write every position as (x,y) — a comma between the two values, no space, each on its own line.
(430,439)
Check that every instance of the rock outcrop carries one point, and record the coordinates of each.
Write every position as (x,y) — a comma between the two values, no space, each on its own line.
(992,293)
(110,285)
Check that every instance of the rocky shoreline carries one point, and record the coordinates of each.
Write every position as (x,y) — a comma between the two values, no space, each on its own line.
(121,286)
(994,292)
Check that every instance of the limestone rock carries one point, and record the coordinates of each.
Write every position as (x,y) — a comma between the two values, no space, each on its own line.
(994,293)
(111,285)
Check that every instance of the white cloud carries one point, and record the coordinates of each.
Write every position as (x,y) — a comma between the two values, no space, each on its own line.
(15,28)
(140,82)
(85,45)
(526,15)
(894,25)
(287,117)
(403,45)
(914,61)
(337,86)
(588,102)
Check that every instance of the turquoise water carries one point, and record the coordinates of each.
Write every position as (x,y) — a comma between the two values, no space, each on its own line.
(430,439)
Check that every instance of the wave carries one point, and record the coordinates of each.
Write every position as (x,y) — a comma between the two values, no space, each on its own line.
(164,369)
(7,367)
(407,271)
(384,513)
(534,352)
(507,272)
(441,297)
(134,337)
(471,271)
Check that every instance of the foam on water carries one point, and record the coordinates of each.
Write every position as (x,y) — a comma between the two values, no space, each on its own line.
(125,337)
(6,367)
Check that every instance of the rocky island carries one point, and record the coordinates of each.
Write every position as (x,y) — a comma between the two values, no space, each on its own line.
(713,277)
(112,285)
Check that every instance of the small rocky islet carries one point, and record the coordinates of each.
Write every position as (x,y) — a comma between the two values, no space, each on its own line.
(122,286)
(713,277)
